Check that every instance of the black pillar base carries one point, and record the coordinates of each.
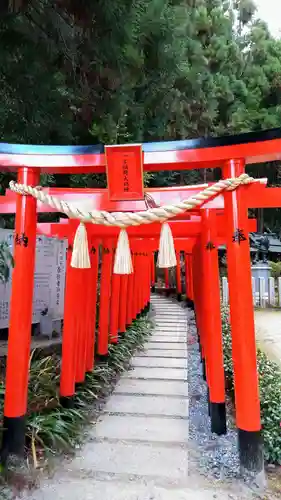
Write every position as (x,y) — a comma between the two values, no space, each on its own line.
(153,289)
(146,308)
(218,418)
(103,357)
(204,370)
(67,401)
(250,445)
(167,293)
(13,437)
(179,297)
(208,401)
(79,385)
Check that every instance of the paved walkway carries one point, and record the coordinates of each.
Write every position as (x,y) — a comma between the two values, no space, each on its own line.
(138,450)
(268,332)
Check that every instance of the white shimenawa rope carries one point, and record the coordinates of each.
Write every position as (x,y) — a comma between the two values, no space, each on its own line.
(123,263)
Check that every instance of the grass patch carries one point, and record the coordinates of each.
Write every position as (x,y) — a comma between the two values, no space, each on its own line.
(270,393)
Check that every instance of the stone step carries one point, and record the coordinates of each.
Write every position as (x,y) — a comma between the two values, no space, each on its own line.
(169,324)
(167,333)
(180,339)
(169,308)
(176,388)
(159,362)
(147,405)
(108,486)
(145,373)
(164,353)
(140,459)
(148,429)
(166,345)
(174,317)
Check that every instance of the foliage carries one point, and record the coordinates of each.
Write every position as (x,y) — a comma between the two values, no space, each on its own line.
(270,394)
(6,262)
(275,269)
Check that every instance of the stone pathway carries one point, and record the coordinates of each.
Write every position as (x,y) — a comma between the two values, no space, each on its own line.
(139,448)
(268,332)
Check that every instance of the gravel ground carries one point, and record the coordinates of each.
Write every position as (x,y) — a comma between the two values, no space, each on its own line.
(219,453)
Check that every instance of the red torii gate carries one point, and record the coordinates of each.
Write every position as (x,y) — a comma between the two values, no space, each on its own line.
(231,155)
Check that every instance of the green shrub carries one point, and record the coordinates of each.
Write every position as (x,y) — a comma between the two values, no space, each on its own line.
(275,268)
(270,393)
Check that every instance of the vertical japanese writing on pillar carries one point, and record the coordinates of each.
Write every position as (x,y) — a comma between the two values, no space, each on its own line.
(59,277)
(125,175)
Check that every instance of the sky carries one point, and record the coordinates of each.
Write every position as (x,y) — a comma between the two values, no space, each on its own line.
(269,11)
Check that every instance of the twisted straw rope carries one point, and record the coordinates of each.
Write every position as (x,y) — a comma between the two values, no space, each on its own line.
(125,219)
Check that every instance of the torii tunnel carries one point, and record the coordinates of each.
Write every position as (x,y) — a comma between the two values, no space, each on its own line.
(197,233)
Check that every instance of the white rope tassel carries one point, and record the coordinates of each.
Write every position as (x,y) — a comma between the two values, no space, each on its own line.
(166,255)
(123,259)
(80,255)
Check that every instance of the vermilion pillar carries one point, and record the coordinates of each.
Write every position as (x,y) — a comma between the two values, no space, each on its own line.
(90,352)
(17,371)
(198,299)
(135,286)
(114,308)
(105,293)
(148,281)
(138,283)
(190,278)
(82,311)
(242,324)
(67,378)
(210,288)
(130,295)
(123,303)
(186,266)
(152,262)
(178,276)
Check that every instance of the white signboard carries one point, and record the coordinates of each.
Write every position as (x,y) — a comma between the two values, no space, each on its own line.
(49,279)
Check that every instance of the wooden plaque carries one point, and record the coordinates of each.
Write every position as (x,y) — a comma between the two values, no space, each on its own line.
(124,170)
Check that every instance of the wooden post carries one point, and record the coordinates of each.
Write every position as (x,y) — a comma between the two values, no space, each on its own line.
(17,370)
(242,325)
(105,293)
(210,286)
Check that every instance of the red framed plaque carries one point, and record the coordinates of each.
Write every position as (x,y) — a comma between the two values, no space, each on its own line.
(124,170)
